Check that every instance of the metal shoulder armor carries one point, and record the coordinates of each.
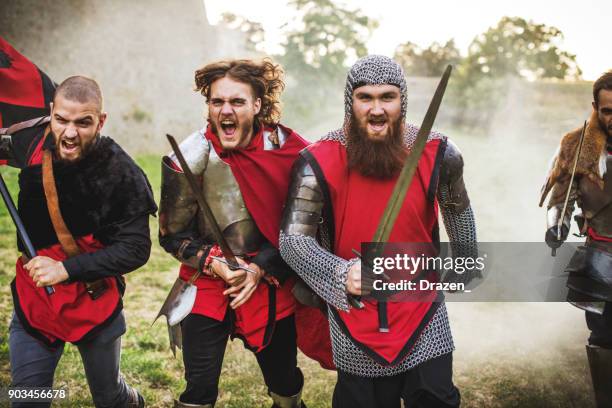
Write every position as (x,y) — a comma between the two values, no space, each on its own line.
(302,214)
(178,205)
(275,138)
(451,175)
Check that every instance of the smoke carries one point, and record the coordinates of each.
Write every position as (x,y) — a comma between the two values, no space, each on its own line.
(509,331)
(506,161)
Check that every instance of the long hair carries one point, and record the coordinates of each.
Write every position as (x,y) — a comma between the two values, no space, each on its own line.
(264,77)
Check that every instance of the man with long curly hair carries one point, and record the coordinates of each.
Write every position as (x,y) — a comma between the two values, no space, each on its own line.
(243,158)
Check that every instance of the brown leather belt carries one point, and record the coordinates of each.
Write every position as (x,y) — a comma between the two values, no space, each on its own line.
(94,289)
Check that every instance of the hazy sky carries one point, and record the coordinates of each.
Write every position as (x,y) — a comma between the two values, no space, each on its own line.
(586,24)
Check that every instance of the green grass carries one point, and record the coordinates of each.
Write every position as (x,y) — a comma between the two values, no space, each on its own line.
(147,362)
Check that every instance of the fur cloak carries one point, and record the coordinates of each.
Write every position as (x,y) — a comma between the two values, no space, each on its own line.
(591,163)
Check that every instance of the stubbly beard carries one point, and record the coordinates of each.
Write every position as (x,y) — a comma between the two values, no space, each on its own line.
(605,127)
(382,159)
(243,127)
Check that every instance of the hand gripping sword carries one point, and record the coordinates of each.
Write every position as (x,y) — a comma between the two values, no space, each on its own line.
(396,200)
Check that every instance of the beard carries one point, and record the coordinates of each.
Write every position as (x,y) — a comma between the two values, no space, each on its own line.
(382,159)
(607,128)
(85,149)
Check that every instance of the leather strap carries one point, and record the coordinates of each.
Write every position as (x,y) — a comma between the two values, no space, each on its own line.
(64,236)
(16,127)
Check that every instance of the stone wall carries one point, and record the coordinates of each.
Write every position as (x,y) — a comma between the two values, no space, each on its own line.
(143,54)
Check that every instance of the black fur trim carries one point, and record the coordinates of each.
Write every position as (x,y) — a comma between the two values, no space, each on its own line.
(95,194)
(26,325)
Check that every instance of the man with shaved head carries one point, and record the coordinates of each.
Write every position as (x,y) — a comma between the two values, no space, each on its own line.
(85,205)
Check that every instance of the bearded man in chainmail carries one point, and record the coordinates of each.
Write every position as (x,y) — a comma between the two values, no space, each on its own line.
(339,189)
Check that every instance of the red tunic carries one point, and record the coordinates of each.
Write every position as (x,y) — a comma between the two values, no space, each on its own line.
(69,314)
(357,203)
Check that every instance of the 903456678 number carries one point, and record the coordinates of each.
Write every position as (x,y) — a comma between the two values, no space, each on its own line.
(33,394)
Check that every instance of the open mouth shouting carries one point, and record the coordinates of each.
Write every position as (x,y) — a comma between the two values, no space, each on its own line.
(69,148)
(228,127)
(377,125)
(231,131)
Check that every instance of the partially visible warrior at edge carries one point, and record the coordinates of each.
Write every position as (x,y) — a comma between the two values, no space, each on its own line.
(85,205)
(589,181)
(242,159)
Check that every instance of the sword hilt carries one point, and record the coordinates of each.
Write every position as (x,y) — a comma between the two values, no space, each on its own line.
(232,267)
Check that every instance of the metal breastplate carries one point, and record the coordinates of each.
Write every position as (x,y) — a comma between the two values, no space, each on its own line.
(597,203)
(225,200)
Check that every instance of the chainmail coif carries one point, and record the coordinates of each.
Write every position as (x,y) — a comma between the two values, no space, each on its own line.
(374,70)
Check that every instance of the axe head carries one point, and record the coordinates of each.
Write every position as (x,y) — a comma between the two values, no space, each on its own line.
(179,302)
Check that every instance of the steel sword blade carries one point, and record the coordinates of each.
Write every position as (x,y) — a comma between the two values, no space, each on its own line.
(402,184)
(396,200)
(569,188)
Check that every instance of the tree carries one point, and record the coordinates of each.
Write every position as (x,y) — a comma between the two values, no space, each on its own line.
(408,55)
(253,31)
(428,62)
(513,49)
(329,34)
(518,47)
(316,53)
